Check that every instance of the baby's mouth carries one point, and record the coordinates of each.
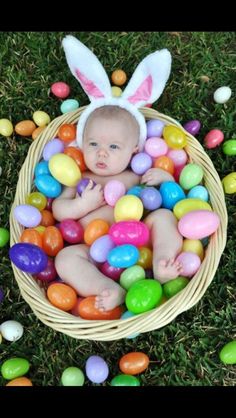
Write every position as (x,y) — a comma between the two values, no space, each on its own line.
(101,165)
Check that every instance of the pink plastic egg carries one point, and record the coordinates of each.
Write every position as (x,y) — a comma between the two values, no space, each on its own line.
(178,156)
(49,273)
(113,190)
(155,147)
(60,89)
(190,263)
(198,224)
(129,232)
(71,231)
(213,138)
(111,271)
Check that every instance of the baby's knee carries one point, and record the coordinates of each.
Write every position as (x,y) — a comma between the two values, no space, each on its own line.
(68,255)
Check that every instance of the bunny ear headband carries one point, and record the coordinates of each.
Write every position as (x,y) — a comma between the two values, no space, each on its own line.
(145,86)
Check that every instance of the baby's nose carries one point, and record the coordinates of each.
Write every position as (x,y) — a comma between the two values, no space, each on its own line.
(102,152)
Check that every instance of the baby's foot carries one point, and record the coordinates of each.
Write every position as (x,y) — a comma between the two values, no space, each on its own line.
(110,298)
(165,270)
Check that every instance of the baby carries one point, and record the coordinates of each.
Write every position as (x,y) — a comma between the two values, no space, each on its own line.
(111,136)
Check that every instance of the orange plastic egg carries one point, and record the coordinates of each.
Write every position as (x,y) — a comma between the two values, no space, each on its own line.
(62,296)
(52,241)
(145,258)
(77,155)
(20,381)
(87,310)
(67,132)
(47,218)
(94,230)
(165,163)
(25,128)
(134,363)
(118,77)
(32,237)
(37,131)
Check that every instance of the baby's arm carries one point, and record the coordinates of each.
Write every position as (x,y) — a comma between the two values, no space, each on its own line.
(156,176)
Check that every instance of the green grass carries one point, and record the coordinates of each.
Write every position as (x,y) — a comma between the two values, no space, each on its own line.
(185,352)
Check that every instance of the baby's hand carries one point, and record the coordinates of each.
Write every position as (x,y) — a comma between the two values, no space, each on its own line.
(156,176)
(93,197)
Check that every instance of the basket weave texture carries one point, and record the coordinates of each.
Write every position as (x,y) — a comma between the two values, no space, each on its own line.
(108,330)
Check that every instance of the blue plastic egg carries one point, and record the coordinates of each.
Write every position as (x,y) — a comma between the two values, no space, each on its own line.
(135,190)
(28,257)
(171,193)
(123,256)
(47,185)
(198,192)
(41,168)
(69,105)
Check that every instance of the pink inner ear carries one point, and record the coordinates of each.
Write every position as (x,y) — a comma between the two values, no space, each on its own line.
(88,85)
(143,92)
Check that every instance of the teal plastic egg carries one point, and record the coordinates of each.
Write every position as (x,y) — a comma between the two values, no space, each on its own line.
(228,353)
(47,185)
(123,256)
(143,296)
(190,176)
(69,105)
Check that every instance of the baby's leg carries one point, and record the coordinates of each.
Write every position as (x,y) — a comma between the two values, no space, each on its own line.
(74,266)
(167,243)
(104,212)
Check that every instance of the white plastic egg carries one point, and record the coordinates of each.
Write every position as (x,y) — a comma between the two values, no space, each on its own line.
(222,94)
(11,330)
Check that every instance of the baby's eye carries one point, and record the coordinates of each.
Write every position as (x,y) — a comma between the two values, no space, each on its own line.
(114,146)
(93,144)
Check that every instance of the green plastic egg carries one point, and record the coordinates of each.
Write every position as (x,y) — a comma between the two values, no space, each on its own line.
(14,367)
(173,287)
(143,296)
(131,275)
(72,376)
(188,205)
(190,176)
(125,380)
(4,237)
(229,147)
(228,353)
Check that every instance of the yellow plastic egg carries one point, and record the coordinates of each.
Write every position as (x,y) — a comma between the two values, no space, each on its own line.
(128,207)
(174,137)
(188,205)
(145,258)
(41,118)
(6,127)
(0,338)
(193,246)
(116,91)
(229,183)
(64,169)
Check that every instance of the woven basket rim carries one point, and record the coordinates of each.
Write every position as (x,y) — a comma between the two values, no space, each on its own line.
(104,330)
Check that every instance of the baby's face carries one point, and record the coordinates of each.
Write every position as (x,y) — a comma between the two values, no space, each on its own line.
(108,145)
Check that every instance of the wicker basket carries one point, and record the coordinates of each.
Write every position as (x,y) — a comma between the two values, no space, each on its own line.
(103,330)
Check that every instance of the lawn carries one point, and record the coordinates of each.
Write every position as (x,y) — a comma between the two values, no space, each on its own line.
(185,352)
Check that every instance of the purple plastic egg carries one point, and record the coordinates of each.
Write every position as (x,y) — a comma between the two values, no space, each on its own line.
(71,231)
(100,248)
(154,128)
(27,215)
(111,271)
(28,257)
(1,295)
(193,127)
(151,198)
(141,162)
(96,369)
(49,273)
(54,146)
(190,263)
(83,184)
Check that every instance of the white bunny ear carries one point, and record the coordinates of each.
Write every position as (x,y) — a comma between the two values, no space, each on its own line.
(86,67)
(149,79)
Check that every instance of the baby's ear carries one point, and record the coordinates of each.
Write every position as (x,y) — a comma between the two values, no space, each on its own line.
(136,149)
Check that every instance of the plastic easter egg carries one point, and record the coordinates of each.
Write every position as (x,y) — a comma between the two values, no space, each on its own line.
(118,77)
(174,137)
(171,193)
(155,128)
(129,232)
(36,199)
(213,138)
(134,363)
(198,224)
(49,273)
(14,367)
(188,205)
(190,176)
(198,192)
(228,353)
(71,231)
(229,183)
(143,296)
(77,155)
(96,369)
(32,236)
(100,249)
(25,128)
(193,246)
(116,91)
(178,156)
(53,147)
(141,162)
(81,186)
(62,296)
(155,147)
(41,168)
(11,330)
(222,94)
(94,230)
(128,207)
(135,190)
(229,147)
(192,126)
(125,380)
(28,257)
(41,118)
(47,218)
(123,256)
(87,310)
(69,105)
(4,237)
(111,271)
(6,127)
(205,241)
(37,131)
(145,258)
(64,169)
(49,203)
(20,381)
(27,215)
(52,241)
(151,198)
(67,132)
(0,171)
(177,172)
(131,275)
(174,286)
(126,315)
(47,185)
(1,295)
(165,163)
(60,89)
(113,191)
(72,376)
(40,229)
(190,263)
